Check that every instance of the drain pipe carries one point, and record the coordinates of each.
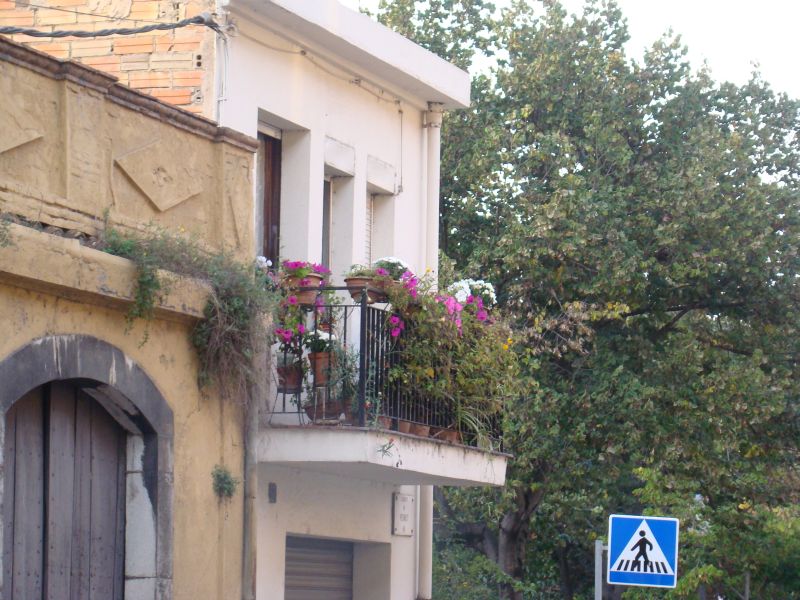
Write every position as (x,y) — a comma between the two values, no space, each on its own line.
(257,394)
(433,123)
(425,581)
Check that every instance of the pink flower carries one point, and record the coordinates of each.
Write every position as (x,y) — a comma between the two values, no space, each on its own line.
(305,282)
(413,293)
(284,334)
(381,272)
(321,269)
(394,320)
(396,332)
(408,275)
(481,315)
(292,300)
(301,329)
(452,305)
(292,265)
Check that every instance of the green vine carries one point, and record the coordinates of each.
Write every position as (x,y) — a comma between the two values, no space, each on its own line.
(241,296)
(223,482)
(5,234)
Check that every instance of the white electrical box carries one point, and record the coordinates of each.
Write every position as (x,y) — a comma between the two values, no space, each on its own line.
(404,514)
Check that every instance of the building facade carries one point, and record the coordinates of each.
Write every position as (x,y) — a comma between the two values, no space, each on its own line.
(329,153)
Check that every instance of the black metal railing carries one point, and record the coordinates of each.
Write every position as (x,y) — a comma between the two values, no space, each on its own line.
(354,380)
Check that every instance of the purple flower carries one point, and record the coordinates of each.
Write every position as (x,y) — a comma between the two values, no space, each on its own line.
(284,334)
(407,276)
(381,272)
(292,300)
(394,320)
(482,315)
(321,269)
(396,332)
(291,265)
(301,329)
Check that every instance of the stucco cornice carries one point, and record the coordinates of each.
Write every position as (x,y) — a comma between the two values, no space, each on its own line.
(109,86)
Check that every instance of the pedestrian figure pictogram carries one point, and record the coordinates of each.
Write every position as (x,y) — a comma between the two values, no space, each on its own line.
(643,551)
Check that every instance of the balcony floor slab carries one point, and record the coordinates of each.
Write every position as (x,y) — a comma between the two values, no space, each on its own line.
(380,455)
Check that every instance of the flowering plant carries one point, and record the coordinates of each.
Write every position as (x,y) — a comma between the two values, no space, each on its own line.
(479,288)
(360,271)
(300,269)
(390,267)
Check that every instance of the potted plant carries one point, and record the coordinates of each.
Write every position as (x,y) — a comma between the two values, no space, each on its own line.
(360,278)
(291,370)
(304,278)
(319,344)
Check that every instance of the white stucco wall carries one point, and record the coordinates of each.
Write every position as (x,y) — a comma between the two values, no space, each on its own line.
(320,111)
(334,507)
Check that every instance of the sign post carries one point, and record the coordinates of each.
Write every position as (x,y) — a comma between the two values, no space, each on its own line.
(642,551)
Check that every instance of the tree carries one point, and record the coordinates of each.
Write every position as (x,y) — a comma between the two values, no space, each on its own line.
(641,224)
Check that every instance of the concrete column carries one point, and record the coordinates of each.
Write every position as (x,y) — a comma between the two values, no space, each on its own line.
(425,582)
(433,122)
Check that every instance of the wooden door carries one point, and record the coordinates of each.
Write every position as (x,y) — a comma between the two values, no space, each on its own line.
(64,501)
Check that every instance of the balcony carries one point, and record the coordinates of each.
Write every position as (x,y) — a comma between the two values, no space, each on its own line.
(342,403)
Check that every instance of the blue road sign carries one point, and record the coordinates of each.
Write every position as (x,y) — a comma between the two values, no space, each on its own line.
(642,551)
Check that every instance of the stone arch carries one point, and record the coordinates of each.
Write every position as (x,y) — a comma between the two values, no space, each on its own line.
(123,388)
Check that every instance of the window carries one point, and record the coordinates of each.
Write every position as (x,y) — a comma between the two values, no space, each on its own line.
(270,195)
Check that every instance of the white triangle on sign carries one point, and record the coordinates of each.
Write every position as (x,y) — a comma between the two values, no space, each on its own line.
(631,560)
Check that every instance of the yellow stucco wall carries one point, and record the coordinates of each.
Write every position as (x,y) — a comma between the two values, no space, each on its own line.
(77,152)
(207,538)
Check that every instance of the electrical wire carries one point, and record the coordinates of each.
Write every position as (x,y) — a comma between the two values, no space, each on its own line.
(202,19)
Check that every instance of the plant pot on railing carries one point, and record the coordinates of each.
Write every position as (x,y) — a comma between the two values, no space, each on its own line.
(290,377)
(297,274)
(452,436)
(320,367)
(357,285)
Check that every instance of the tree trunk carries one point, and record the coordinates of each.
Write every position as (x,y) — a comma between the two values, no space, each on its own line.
(513,540)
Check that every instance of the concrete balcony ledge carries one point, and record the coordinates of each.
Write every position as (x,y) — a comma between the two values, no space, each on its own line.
(380,455)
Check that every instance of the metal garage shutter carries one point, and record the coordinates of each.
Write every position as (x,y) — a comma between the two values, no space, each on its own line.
(318,569)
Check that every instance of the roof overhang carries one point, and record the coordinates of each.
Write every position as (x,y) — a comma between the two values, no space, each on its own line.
(337,32)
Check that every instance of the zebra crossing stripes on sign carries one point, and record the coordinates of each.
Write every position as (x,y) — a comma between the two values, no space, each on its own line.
(642,551)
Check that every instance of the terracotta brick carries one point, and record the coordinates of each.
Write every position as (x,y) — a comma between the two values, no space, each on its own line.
(17,18)
(54,17)
(187,78)
(57,49)
(92,47)
(177,97)
(176,43)
(144,9)
(133,45)
(7,5)
(149,79)
(135,62)
(171,60)
(109,64)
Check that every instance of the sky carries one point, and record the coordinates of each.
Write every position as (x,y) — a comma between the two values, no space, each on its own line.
(730,35)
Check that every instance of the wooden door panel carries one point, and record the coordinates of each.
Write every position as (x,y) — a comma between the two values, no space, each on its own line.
(81,501)
(64,502)
(60,490)
(105,463)
(28,489)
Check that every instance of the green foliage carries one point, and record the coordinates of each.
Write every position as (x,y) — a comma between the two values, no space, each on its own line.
(640,223)
(5,235)
(241,297)
(223,482)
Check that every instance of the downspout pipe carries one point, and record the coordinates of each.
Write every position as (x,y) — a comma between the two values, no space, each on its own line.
(425,533)
(433,123)
(257,395)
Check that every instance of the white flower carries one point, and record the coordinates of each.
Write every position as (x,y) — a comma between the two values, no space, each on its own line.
(263,262)
(462,289)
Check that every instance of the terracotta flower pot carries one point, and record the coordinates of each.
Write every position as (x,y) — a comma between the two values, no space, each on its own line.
(452,436)
(420,430)
(384,422)
(359,283)
(404,426)
(290,378)
(320,367)
(312,280)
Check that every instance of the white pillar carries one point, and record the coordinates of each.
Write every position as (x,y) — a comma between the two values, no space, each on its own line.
(425,582)
(433,121)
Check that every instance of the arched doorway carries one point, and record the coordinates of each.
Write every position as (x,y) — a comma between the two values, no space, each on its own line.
(64,510)
(62,396)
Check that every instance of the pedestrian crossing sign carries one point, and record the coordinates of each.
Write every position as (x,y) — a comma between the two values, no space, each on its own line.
(642,551)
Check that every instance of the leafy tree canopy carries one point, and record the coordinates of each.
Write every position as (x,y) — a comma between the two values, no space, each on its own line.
(640,222)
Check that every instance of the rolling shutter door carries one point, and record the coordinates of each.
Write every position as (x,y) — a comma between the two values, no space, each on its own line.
(318,569)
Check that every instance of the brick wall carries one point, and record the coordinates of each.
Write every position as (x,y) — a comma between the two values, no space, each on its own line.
(174,66)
